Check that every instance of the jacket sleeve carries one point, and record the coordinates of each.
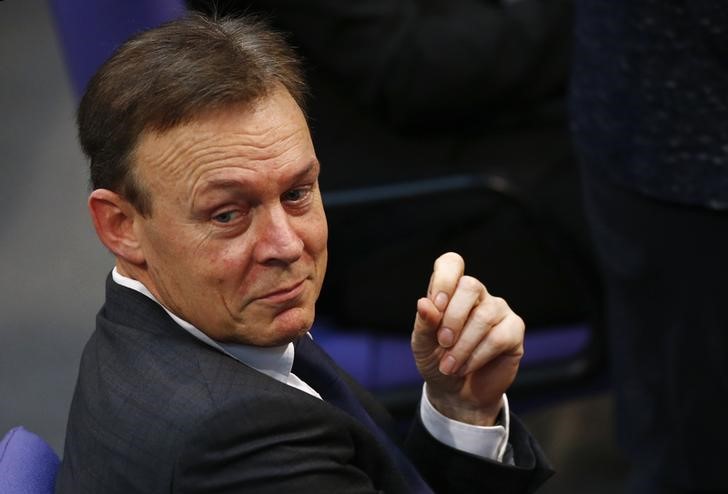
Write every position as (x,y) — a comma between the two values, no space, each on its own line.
(263,450)
(449,470)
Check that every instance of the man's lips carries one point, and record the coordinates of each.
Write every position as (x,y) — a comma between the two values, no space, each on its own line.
(284,295)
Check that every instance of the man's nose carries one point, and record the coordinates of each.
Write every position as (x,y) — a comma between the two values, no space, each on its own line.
(277,240)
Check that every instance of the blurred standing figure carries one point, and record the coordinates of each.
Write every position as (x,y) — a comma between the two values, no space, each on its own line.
(650,120)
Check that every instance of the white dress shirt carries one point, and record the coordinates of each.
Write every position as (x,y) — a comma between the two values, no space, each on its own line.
(276,362)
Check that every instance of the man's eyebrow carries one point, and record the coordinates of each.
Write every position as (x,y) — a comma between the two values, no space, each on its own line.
(314,166)
(231,183)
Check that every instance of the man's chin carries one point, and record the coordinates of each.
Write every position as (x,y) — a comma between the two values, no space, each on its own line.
(286,327)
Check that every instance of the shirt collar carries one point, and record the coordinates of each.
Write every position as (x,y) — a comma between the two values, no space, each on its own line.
(275,362)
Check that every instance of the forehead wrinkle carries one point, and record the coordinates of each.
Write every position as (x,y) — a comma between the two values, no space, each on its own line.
(235,158)
(187,152)
(184,157)
(161,155)
(249,145)
(254,155)
(266,143)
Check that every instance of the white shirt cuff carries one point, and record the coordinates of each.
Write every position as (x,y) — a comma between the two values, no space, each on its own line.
(484,442)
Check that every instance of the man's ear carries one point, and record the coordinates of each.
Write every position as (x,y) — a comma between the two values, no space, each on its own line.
(113,218)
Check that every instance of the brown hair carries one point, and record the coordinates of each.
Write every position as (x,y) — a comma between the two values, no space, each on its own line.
(170,75)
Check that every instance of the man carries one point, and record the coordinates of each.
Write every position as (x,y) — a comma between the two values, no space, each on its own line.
(200,376)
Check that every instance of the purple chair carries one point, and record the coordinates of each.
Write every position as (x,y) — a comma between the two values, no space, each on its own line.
(28,465)
(90,30)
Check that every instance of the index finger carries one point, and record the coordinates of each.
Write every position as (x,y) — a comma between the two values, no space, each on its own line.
(446,273)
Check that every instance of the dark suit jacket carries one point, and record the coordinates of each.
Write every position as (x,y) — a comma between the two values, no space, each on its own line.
(156,410)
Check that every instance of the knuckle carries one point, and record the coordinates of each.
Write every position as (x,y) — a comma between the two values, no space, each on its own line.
(469,283)
(501,303)
(516,325)
(520,323)
(484,315)
(500,342)
(508,336)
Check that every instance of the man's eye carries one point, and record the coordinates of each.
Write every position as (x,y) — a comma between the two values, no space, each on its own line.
(296,195)
(225,217)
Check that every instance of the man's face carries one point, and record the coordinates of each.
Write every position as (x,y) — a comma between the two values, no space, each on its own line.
(236,241)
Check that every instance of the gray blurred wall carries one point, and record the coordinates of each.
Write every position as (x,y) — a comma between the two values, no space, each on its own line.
(52,268)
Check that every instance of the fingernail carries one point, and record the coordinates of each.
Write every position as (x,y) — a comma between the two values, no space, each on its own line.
(447,364)
(445,337)
(441,301)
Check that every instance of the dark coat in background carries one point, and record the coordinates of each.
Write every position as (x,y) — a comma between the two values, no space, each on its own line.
(650,119)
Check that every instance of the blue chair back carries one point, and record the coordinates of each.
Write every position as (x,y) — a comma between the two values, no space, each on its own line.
(28,465)
(90,30)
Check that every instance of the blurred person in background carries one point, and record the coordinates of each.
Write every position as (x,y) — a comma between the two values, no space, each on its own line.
(650,120)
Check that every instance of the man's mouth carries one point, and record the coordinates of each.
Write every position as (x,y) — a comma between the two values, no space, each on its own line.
(283,295)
